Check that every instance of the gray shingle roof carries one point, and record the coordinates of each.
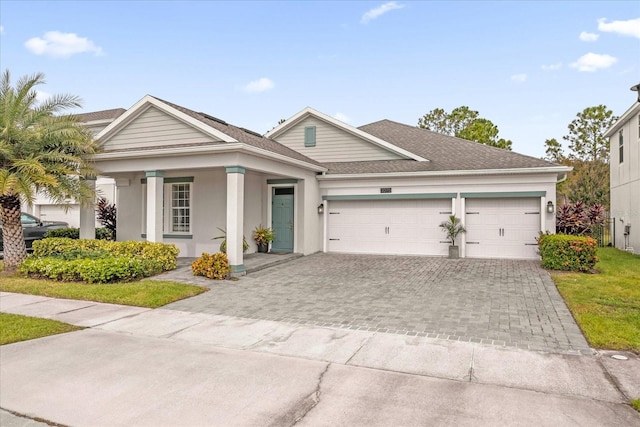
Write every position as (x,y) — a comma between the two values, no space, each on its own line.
(243,135)
(446,153)
(100,115)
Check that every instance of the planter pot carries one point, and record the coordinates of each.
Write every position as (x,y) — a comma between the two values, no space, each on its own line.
(454,252)
(263,248)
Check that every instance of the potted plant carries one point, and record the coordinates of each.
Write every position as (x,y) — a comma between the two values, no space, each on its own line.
(223,245)
(453,228)
(263,236)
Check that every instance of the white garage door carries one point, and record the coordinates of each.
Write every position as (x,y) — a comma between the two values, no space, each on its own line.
(388,226)
(502,228)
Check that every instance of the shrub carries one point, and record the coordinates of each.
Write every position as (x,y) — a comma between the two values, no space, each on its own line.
(214,266)
(156,256)
(577,219)
(105,269)
(106,214)
(74,233)
(569,253)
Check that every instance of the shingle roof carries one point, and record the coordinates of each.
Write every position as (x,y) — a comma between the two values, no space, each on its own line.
(100,115)
(445,153)
(243,135)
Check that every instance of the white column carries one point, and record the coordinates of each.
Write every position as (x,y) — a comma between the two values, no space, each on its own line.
(463,218)
(155,193)
(88,214)
(235,219)
(325,225)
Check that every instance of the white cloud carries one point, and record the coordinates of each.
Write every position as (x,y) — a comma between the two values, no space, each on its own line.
(61,45)
(260,85)
(42,96)
(552,67)
(594,61)
(342,117)
(520,78)
(379,11)
(624,28)
(588,37)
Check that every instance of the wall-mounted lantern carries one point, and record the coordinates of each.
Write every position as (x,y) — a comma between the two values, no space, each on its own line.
(550,207)
(320,209)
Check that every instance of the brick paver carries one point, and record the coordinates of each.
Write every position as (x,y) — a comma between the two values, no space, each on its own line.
(510,303)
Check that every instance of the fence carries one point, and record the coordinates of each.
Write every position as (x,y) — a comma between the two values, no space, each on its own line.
(603,234)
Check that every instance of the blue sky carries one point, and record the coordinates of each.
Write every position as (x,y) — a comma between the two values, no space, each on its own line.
(529,67)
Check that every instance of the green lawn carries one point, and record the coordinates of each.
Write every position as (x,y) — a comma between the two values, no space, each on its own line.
(606,305)
(145,293)
(636,404)
(14,328)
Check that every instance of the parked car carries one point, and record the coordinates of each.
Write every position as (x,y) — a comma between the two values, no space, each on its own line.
(34,229)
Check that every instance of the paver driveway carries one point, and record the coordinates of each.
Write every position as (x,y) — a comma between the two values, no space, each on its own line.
(500,302)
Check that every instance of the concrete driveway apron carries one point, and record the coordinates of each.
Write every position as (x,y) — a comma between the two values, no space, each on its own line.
(511,303)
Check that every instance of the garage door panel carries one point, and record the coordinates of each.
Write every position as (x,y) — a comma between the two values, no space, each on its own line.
(502,228)
(388,226)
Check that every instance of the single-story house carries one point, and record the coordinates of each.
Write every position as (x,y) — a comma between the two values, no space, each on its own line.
(321,184)
(624,168)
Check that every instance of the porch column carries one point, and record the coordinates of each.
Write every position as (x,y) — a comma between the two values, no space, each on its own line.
(88,214)
(235,219)
(155,190)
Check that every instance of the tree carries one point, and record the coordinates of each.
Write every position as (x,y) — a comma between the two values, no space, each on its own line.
(588,155)
(40,151)
(586,134)
(553,151)
(106,214)
(463,123)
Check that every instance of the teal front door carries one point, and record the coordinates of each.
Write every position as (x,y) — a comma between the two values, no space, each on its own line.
(282,219)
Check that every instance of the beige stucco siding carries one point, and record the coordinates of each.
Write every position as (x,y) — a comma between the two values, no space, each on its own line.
(332,144)
(154,128)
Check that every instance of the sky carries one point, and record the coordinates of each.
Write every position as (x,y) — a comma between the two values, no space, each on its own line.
(528,66)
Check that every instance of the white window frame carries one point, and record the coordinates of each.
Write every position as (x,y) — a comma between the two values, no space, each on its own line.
(168,208)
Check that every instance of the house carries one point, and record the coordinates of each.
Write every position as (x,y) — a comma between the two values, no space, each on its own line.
(48,210)
(624,167)
(321,184)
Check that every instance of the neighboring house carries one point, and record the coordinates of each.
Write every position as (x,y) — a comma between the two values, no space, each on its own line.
(321,184)
(46,209)
(624,164)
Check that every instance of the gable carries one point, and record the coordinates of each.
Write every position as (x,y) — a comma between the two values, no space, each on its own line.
(331,143)
(154,128)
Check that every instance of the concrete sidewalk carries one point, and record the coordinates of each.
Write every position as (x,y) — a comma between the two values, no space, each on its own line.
(162,367)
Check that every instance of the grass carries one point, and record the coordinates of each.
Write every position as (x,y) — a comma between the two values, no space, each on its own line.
(145,293)
(14,328)
(606,305)
(636,404)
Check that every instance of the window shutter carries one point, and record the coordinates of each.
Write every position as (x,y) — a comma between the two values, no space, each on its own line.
(310,136)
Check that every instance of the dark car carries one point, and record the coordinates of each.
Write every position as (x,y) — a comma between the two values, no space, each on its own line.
(34,229)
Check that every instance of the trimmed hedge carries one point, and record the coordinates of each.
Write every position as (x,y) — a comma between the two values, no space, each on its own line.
(74,233)
(214,266)
(162,256)
(568,253)
(105,269)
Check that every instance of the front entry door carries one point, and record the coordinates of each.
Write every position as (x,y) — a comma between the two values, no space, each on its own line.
(282,219)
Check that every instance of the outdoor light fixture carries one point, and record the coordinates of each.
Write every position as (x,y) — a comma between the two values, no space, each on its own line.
(550,206)
(636,88)
(320,208)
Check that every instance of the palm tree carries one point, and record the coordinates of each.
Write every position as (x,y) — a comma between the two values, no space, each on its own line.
(40,151)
